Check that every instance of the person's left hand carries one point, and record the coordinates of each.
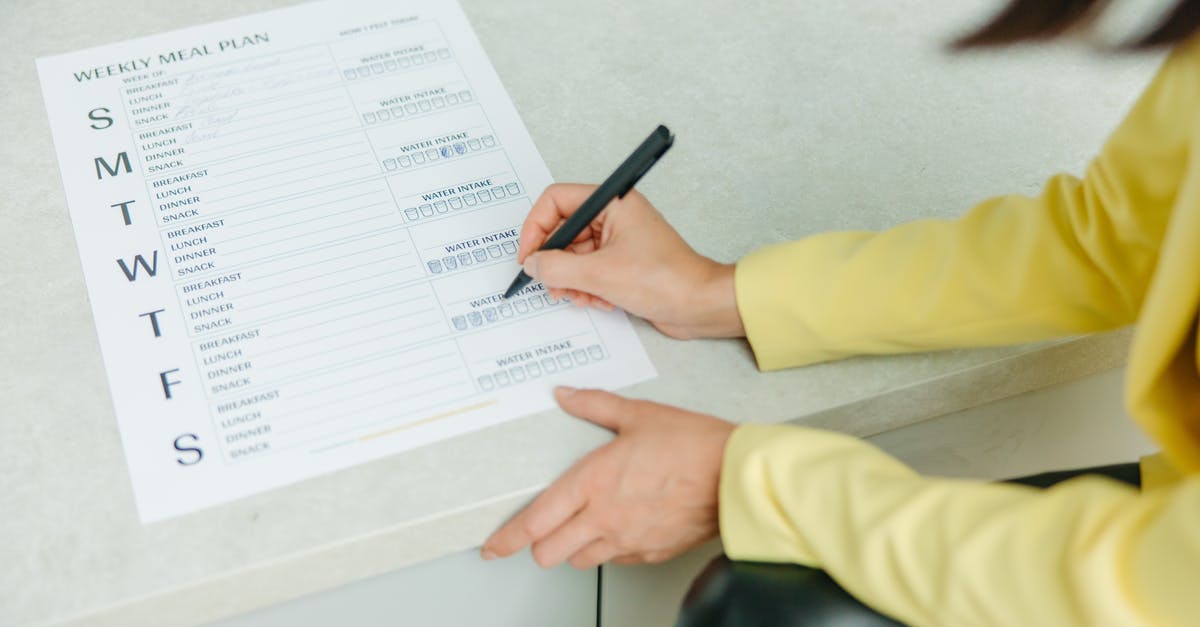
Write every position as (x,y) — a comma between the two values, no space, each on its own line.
(646,496)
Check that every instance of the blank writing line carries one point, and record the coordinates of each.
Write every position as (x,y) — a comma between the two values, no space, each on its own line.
(339,417)
(323,246)
(260,205)
(336,302)
(307,279)
(294,181)
(324,216)
(258,139)
(395,373)
(389,214)
(361,312)
(321,151)
(343,331)
(354,362)
(309,293)
(333,187)
(308,391)
(322,162)
(369,340)
(253,152)
(326,305)
(351,255)
(315,263)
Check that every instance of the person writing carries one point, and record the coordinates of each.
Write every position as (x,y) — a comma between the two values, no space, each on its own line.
(1121,245)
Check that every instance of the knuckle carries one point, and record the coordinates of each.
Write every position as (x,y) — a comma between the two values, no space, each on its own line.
(594,485)
(606,525)
(581,561)
(550,192)
(541,556)
(529,527)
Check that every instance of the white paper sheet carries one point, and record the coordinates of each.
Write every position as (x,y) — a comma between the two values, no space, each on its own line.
(295,228)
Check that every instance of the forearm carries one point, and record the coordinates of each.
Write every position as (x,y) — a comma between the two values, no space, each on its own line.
(1005,273)
(937,551)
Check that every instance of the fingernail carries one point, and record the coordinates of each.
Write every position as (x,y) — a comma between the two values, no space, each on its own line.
(488,555)
(531,266)
(564,390)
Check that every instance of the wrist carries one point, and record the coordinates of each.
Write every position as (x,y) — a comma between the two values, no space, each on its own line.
(716,302)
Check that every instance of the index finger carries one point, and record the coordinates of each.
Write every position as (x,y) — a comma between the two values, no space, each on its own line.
(555,506)
(556,204)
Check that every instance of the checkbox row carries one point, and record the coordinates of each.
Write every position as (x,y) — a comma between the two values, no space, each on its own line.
(417,106)
(535,369)
(480,254)
(470,199)
(514,307)
(399,63)
(447,151)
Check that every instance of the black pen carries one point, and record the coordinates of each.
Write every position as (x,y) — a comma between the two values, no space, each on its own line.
(615,186)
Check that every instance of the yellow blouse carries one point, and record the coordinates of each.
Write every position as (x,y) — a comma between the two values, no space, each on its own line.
(1120,246)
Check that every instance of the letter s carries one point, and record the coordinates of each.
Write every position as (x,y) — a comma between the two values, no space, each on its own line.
(97,115)
(193,450)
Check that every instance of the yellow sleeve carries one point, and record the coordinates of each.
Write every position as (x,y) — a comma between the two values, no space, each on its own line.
(1089,551)
(1075,259)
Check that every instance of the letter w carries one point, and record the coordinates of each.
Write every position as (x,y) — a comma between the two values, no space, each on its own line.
(138,260)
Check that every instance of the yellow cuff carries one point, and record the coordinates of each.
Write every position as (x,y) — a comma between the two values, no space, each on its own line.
(762,284)
(744,534)
(753,523)
(783,295)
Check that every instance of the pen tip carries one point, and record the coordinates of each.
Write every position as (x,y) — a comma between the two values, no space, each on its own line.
(519,282)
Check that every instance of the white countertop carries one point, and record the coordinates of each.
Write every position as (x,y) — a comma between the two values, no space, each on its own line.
(790,120)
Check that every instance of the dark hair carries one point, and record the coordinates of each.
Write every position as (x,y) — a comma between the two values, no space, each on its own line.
(1032,20)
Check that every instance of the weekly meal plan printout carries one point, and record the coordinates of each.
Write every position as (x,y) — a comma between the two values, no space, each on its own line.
(295,229)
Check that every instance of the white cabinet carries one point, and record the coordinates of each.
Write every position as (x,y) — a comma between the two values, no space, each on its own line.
(649,596)
(460,590)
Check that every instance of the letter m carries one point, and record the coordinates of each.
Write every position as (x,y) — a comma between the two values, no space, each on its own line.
(113,170)
(138,260)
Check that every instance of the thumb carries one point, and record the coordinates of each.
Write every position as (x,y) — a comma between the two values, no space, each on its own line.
(558,268)
(596,406)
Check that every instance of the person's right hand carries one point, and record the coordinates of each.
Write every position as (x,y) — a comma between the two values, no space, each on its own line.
(630,257)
